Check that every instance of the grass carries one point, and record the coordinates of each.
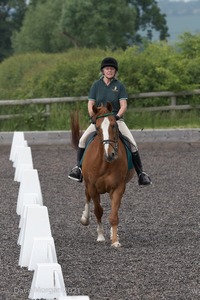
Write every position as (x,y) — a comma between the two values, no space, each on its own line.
(34,119)
(160,120)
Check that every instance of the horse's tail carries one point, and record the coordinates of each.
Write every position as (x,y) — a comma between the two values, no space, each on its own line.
(75,129)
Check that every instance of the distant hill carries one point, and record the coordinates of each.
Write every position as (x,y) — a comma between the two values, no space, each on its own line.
(179,8)
(181,17)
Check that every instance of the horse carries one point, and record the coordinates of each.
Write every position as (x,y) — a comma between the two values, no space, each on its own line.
(104,169)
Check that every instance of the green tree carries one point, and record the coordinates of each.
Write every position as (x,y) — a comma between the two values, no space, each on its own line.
(102,23)
(11,17)
(40,30)
(54,26)
(149,19)
(189,45)
(111,24)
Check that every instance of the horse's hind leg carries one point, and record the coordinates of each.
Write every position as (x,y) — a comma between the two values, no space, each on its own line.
(98,211)
(85,218)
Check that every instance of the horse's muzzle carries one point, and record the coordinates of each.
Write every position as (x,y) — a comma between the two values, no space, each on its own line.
(111,156)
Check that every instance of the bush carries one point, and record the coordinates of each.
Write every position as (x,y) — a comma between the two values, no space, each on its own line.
(154,67)
(158,67)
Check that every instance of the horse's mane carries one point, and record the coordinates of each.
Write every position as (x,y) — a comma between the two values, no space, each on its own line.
(75,129)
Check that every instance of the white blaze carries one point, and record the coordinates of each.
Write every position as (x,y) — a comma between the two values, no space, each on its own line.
(104,126)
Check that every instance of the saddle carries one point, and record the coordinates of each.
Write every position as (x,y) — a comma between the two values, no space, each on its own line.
(127,146)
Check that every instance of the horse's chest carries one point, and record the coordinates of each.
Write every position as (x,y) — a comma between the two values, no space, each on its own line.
(106,184)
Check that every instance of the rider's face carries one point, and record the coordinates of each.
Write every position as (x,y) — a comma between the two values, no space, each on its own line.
(109,72)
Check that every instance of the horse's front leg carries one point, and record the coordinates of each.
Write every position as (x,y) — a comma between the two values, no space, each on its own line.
(98,211)
(114,219)
(85,218)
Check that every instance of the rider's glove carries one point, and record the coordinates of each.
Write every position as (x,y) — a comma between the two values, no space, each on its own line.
(92,120)
(117,117)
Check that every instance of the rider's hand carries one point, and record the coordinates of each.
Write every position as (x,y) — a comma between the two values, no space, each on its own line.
(92,120)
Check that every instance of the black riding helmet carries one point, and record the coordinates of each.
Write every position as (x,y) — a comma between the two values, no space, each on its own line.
(109,62)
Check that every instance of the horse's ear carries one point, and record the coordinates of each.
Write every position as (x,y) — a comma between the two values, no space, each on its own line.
(94,108)
(109,106)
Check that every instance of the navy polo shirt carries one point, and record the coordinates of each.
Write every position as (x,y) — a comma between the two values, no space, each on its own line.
(113,93)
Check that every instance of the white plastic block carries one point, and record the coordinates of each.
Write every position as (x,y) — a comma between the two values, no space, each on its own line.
(29,184)
(18,140)
(22,223)
(23,155)
(24,161)
(36,225)
(43,251)
(27,199)
(16,160)
(48,282)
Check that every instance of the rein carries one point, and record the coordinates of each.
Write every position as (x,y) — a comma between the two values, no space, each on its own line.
(105,115)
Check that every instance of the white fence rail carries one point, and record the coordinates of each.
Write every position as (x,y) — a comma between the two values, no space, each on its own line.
(48,101)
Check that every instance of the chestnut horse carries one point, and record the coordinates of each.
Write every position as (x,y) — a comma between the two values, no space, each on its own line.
(104,168)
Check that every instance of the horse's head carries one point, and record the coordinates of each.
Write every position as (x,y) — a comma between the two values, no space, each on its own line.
(107,130)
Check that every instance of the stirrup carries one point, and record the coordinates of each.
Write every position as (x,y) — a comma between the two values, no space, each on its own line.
(76,174)
(144,180)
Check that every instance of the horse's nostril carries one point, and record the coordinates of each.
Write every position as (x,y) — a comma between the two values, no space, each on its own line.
(110,157)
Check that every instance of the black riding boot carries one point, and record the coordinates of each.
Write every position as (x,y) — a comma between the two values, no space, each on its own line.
(143,178)
(76,173)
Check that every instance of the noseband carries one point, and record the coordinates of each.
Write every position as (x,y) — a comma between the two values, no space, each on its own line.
(110,142)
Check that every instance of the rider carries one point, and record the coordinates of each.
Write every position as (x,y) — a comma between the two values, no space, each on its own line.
(108,88)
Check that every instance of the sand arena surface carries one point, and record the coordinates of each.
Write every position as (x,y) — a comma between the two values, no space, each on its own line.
(159,228)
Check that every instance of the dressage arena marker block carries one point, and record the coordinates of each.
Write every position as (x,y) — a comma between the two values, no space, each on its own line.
(27,199)
(18,140)
(23,161)
(36,225)
(23,222)
(43,251)
(29,184)
(18,149)
(48,282)
(20,170)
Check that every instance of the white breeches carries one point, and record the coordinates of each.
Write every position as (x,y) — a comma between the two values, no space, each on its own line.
(122,128)
(126,132)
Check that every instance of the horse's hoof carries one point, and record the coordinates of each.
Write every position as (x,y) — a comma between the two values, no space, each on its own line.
(101,238)
(85,221)
(116,244)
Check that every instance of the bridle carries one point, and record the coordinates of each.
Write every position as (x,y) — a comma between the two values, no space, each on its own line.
(109,141)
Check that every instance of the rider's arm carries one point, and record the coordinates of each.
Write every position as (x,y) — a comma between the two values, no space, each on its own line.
(123,108)
(90,105)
